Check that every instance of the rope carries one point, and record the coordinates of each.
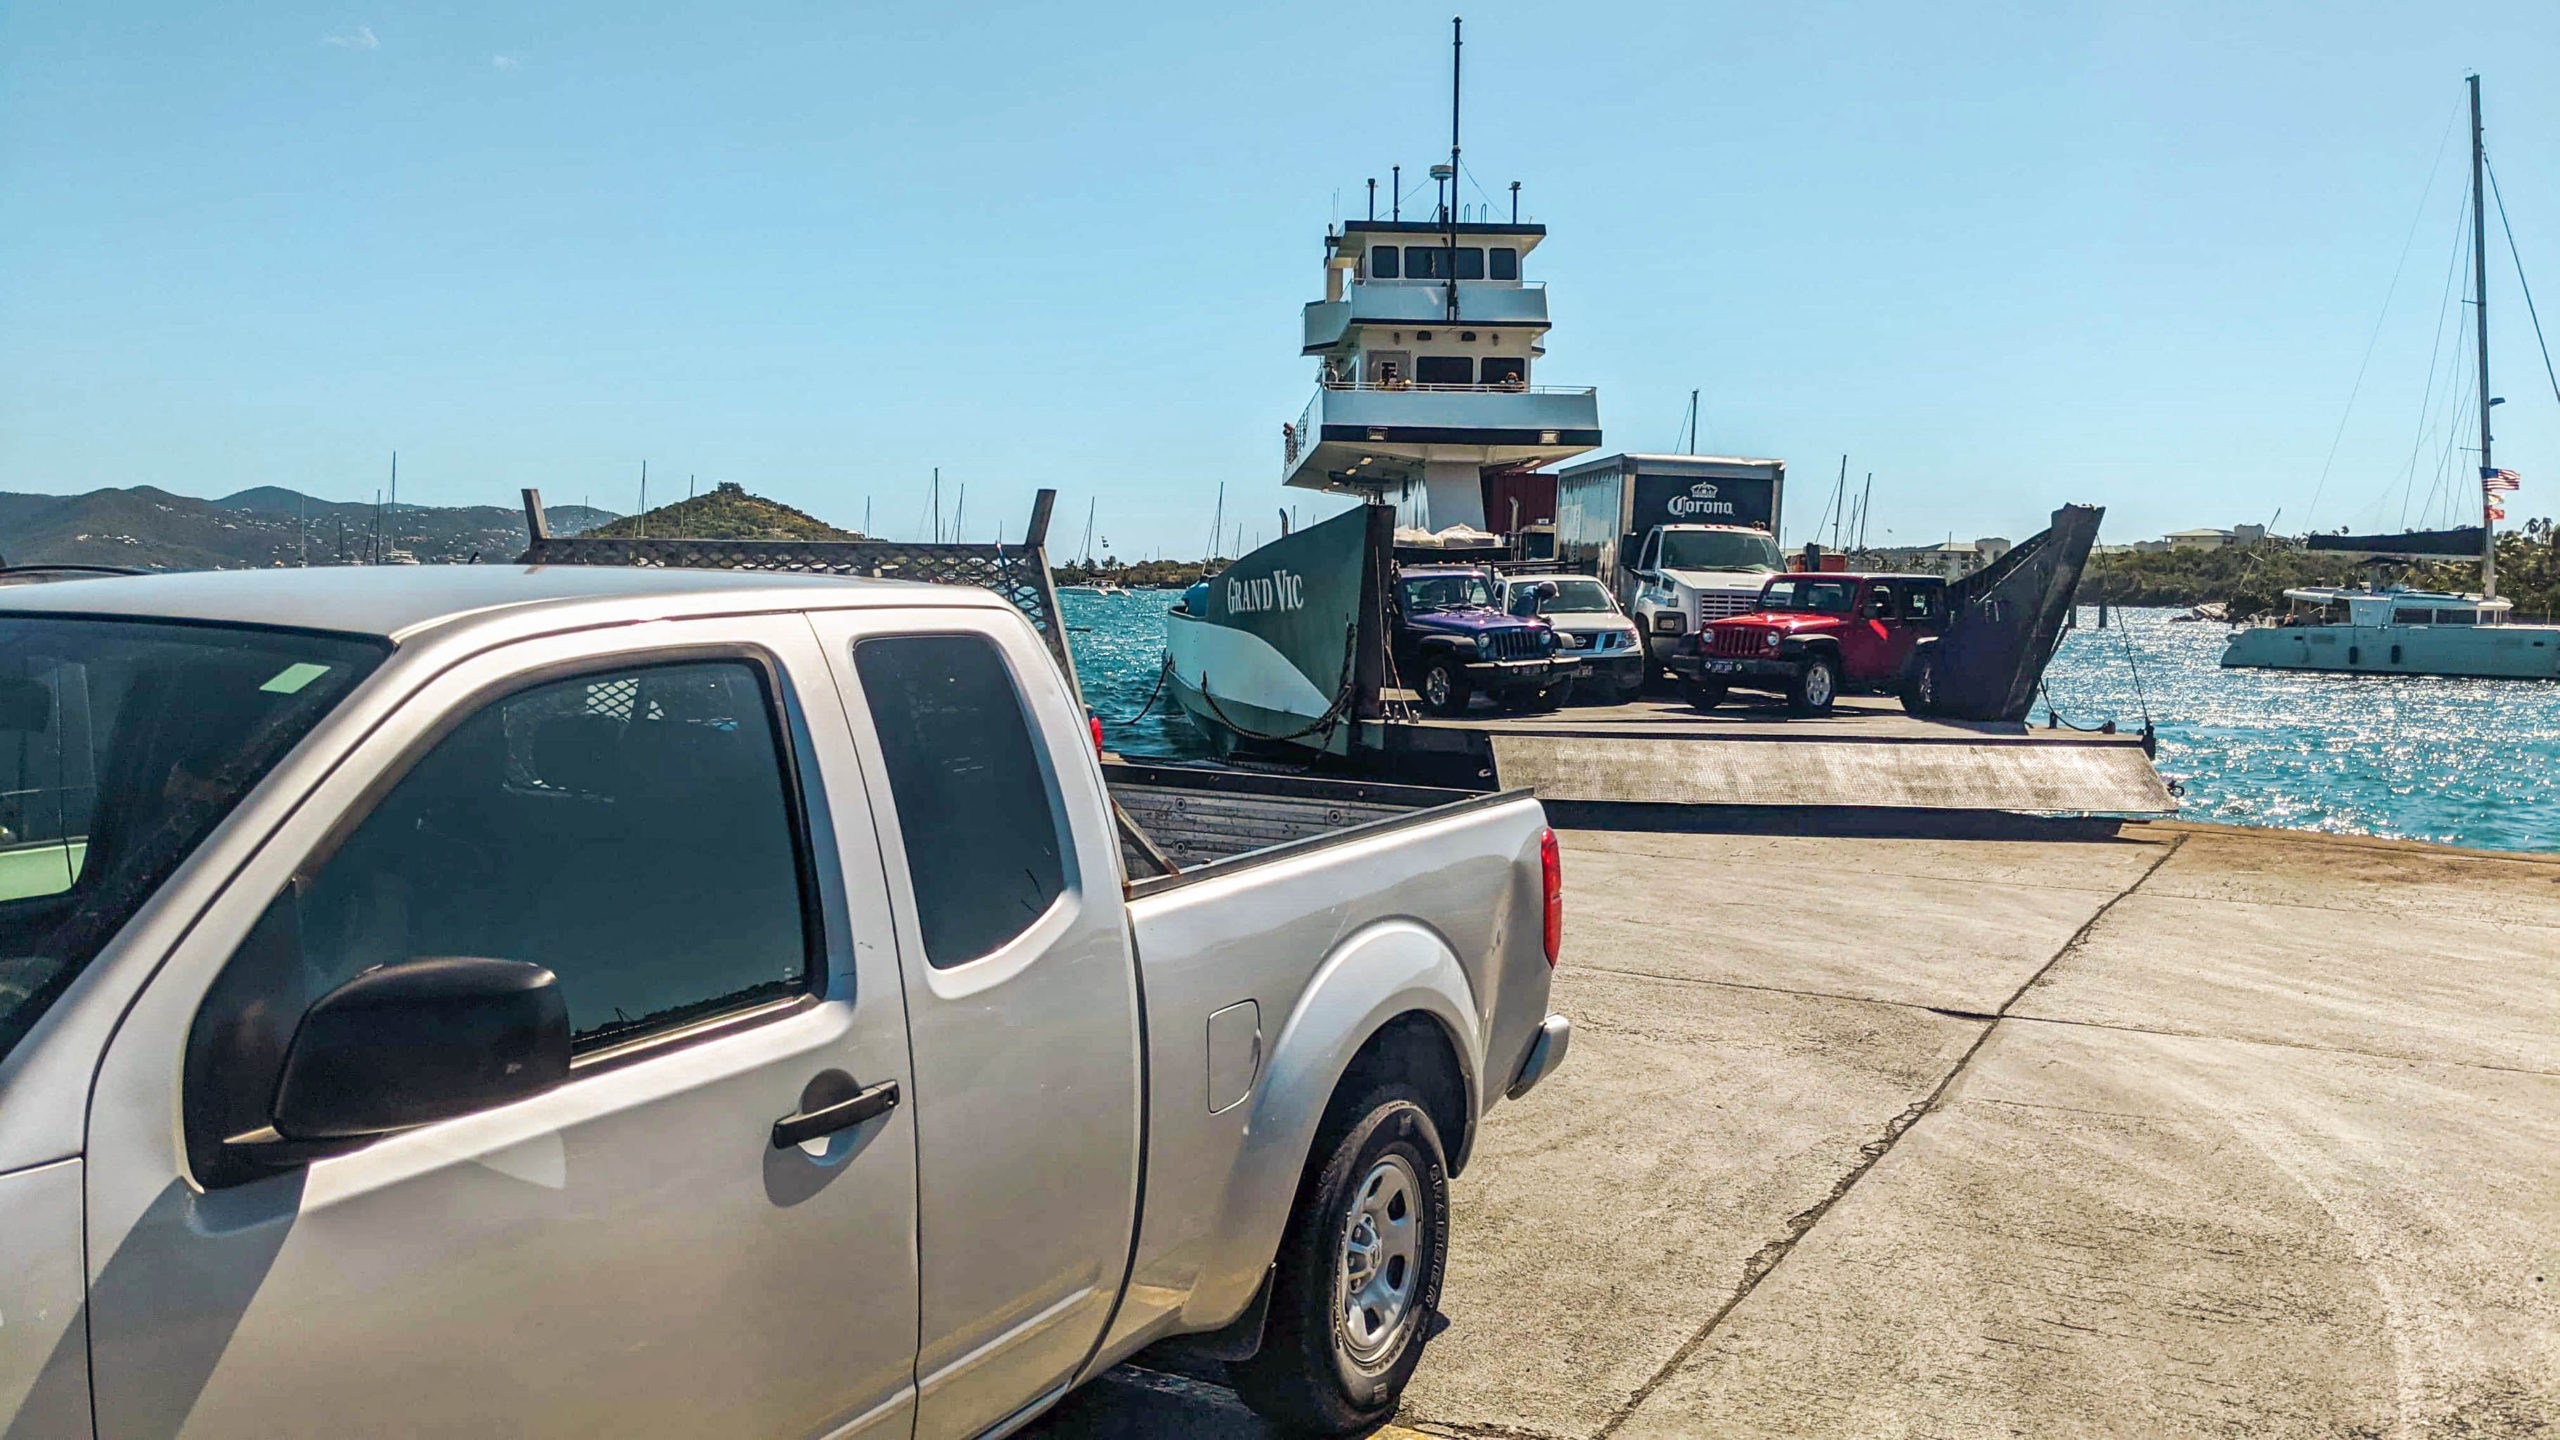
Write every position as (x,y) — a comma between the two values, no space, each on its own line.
(2526,285)
(1332,715)
(1162,670)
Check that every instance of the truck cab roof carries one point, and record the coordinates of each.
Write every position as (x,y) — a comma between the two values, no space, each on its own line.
(399,602)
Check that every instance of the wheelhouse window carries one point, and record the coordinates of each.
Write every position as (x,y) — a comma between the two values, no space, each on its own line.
(1505,370)
(1423,262)
(1503,262)
(2406,616)
(1385,262)
(1470,260)
(2456,617)
(1444,370)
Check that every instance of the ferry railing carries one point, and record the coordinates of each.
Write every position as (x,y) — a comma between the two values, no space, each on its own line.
(1019,573)
(1401,387)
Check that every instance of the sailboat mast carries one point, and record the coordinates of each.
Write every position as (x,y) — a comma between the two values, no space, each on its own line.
(2480,329)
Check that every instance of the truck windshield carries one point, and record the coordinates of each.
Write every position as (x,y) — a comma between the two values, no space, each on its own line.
(1750,550)
(122,744)
(1424,593)
(1575,597)
(1815,597)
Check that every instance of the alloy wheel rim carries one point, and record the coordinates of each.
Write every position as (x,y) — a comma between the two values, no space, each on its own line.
(1435,687)
(1379,1269)
(1817,685)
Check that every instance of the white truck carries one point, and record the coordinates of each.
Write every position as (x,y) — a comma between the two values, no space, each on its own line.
(566,1001)
(1679,539)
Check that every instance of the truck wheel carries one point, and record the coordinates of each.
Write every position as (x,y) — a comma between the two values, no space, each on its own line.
(1815,686)
(1356,1285)
(1920,692)
(1705,694)
(1553,697)
(1444,688)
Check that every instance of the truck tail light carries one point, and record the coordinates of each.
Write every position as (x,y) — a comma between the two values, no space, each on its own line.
(1097,733)
(1551,880)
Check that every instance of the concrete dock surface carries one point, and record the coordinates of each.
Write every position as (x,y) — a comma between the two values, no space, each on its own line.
(2179,1131)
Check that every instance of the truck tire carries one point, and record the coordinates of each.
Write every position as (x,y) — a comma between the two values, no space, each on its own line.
(1356,1285)
(1552,697)
(1443,687)
(1816,686)
(1705,694)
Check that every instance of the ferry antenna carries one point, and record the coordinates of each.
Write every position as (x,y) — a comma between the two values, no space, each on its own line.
(1457,67)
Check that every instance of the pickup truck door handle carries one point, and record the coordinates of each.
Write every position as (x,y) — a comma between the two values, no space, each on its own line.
(805,1125)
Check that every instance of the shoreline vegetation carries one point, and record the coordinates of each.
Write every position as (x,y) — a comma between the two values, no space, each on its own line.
(2251,580)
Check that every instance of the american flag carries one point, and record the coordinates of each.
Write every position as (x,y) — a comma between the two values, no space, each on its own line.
(2495,481)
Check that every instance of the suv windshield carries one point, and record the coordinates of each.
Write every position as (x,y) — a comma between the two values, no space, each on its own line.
(1813,596)
(122,744)
(1572,597)
(1423,593)
(1750,550)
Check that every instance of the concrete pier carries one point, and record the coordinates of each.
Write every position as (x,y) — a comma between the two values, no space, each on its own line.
(2159,1130)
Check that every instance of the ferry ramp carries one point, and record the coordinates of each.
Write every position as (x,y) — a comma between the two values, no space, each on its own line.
(2018,1128)
(1866,754)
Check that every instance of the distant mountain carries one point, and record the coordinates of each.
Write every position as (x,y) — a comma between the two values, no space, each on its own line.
(727,513)
(146,528)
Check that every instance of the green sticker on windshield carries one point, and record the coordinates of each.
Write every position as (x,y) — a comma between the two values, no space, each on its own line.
(292,678)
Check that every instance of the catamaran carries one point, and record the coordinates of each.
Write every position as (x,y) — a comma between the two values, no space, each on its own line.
(2394,630)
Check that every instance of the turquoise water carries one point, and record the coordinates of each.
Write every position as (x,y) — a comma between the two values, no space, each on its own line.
(2462,762)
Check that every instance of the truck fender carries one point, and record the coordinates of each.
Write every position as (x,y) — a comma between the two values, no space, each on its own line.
(1922,652)
(1385,971)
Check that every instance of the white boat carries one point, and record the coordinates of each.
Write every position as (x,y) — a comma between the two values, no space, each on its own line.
(2397,631)
(2392,630)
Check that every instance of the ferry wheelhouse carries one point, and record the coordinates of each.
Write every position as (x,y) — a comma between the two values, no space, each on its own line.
(1429,340)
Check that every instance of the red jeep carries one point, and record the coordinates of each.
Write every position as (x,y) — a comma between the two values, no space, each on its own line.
(1815,636)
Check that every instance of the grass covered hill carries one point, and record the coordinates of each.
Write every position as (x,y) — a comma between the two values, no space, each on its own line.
(727,513)
(2252,579)
(147,528)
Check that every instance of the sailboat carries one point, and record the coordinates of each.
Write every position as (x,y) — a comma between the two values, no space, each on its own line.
(2393,630)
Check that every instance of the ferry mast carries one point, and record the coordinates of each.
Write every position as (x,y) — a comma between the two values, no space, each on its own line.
(1426,341)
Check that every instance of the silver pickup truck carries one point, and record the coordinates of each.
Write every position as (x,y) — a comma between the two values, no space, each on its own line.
(483,1001)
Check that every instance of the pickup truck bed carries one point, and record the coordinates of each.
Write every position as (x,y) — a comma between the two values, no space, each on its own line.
(1199,815)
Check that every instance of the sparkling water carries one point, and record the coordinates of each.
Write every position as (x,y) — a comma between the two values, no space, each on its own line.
(2462,762)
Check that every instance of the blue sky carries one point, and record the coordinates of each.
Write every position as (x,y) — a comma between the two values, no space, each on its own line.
(2002,257)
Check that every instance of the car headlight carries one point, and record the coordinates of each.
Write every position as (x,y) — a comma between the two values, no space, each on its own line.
(1484,644)
(1547,643)
(1769,641)
(1669,622)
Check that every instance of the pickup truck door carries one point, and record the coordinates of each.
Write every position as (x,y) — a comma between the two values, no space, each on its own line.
(1022,997)
(668,817)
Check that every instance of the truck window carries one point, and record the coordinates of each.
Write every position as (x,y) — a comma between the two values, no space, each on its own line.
(628,830)
(1746,550)
(980,823)
(1920,604)
(1810,596)
(122,744)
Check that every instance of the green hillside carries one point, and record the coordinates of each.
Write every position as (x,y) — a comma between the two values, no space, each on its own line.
(727,513)
(147,528)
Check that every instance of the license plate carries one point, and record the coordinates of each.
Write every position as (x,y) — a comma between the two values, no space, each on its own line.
(1724,667)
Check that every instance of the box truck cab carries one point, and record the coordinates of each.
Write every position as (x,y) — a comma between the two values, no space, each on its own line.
(1679,539)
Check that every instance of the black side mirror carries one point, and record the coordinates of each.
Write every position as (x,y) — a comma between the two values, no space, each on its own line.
(424,1040)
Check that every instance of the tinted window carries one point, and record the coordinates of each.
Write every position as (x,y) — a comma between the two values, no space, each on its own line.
(2456,617)
(1720,550)
(629,831)
(121,746)
(1820,597)
(1505,370)
(1920,603)
(2412,617)
(1425,593)
(1382,263)
(1470,262)
(1444,370)
(1422,262)
(980,825)
(1506,262)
